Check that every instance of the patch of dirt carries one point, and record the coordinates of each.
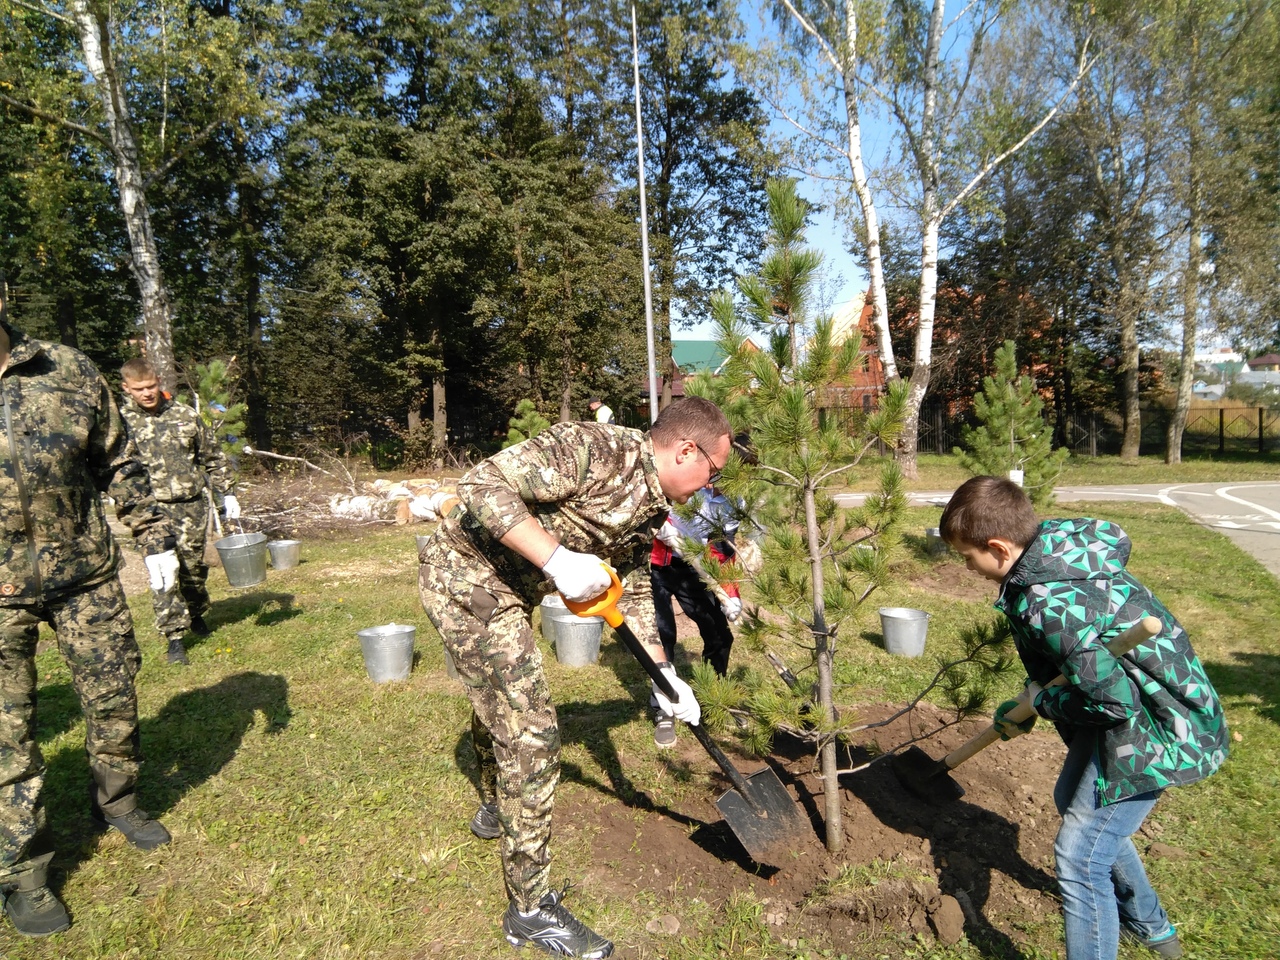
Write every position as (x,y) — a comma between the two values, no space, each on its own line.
(972,866)
(976,866)
(953,581)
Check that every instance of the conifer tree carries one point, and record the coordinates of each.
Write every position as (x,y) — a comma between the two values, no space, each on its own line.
(821,562)
(1012,434)
(527,423)
(215,402)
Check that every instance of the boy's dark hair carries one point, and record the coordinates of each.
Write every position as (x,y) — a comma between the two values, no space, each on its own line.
(690,418)
(989,508)
(137,369)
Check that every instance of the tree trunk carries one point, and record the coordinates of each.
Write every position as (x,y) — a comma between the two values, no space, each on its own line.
(877,293)
(250,239)
(832,812)
(67,320)
(157,312)
(1191,274)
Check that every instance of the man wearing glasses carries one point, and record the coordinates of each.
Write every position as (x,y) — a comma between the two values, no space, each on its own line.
(547,514)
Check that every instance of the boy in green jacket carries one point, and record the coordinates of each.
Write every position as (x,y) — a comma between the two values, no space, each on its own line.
(1133,725)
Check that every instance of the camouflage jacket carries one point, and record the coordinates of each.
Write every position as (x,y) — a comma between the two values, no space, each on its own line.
(594,487)
(1154,712)
(180,451)
(64,445)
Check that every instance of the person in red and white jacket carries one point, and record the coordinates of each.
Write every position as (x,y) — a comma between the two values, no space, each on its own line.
(672,577)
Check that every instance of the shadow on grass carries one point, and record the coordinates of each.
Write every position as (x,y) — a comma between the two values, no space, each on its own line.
(967,842)
(1249,675)
(264,607)
(193,737)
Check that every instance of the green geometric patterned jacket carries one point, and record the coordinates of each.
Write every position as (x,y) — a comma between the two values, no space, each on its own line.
(1154,713)
(62,443)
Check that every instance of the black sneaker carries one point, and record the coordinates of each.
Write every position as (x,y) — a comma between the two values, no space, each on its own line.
(139,829)
(485,824)
(199,627)
(177,652)
(1169,947)
(664,731)
(36,912)
(554,929)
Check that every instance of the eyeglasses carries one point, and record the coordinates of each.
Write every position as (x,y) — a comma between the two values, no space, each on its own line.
(715,471)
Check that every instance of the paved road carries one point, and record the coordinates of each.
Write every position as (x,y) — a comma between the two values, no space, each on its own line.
(1247,513)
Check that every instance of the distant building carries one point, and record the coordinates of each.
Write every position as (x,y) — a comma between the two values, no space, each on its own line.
(1267,362)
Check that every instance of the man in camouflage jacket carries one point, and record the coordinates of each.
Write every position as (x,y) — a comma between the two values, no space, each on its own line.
(542,515)
(63,446)
(183,459)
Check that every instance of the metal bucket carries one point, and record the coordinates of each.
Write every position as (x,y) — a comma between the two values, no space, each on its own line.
(244,558)
(551,608)
(388,651)
(285,554)
(904,630)
(576,639)
(933,539)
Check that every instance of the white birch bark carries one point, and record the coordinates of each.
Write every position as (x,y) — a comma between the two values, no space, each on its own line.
(157,312)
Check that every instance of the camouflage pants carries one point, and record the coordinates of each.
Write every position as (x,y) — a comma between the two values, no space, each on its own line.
(188,597)
(95,635)
(486,629)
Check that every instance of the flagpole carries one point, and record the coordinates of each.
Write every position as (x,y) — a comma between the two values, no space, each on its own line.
(644,228)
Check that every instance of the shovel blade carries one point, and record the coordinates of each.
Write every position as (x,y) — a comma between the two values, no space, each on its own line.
(767,821)
(927,778)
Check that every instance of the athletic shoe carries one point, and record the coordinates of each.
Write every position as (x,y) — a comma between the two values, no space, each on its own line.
(1168,947)
(485,824)
(36,912)
(139,829)
(664,731)
(554,929)
(177,652)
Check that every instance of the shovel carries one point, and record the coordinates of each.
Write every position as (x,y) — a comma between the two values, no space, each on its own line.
(758,809)
(930,779)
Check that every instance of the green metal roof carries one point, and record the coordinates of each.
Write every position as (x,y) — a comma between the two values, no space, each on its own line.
(692,356)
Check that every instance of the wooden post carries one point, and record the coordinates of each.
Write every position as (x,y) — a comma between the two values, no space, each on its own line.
(1262,447)
(1222,431)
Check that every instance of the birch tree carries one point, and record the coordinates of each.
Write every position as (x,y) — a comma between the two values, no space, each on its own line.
(952,120)
(163,44)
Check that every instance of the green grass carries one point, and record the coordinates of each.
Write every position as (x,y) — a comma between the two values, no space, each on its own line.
(943,472)
(317,815)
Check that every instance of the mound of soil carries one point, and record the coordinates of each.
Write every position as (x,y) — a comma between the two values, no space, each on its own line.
(942,869)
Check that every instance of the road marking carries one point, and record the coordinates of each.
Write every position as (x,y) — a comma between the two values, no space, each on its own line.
(1222,492)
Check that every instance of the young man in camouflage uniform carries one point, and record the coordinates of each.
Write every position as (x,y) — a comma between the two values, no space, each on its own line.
(547,514)
(64,445)
(183,458)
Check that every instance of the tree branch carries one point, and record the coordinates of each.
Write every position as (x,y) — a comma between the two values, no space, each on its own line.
(44,12)
(61,121)
(155,175)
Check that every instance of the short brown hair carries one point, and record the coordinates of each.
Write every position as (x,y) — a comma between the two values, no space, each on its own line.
(690,418)
(137,369)
(989,508)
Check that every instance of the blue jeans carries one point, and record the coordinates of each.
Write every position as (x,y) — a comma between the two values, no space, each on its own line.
(1100,874)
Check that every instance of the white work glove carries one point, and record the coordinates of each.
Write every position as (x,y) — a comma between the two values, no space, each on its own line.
(163,570)
(231,507)
(578,576)
(732,607)
(687,708)
(669,535)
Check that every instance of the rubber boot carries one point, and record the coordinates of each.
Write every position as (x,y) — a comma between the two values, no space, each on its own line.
(177,652)
(32,906)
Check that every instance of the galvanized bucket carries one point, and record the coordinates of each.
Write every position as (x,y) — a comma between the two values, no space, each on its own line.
(285,554)
(244,558)
(904,630)
(388,651)
(576,639)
